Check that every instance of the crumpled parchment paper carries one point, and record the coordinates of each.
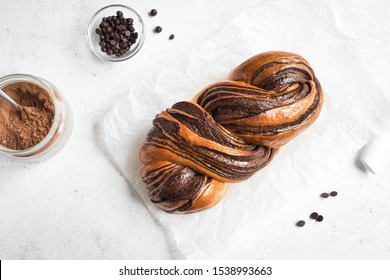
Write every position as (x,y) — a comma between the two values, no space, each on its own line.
(354,111)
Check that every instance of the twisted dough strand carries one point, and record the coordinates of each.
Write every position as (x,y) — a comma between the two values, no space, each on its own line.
(230,131)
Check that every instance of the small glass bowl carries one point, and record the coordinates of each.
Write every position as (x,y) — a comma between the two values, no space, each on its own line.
(61,128)
(93,38)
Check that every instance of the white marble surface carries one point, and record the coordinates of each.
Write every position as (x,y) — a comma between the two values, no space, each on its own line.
(77,206)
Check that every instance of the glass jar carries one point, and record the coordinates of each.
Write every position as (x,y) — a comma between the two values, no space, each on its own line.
(93,38)
(60,130)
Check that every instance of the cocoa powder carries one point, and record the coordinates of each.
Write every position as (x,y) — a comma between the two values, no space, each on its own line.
(24,127)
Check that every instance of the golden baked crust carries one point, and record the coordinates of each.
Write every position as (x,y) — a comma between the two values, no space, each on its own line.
(229,131)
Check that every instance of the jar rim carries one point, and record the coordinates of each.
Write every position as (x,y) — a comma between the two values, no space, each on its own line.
(32,151)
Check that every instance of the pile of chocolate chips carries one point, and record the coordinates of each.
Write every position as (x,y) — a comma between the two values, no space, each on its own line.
(117,34)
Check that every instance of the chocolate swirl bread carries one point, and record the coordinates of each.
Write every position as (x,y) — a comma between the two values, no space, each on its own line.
(229,131)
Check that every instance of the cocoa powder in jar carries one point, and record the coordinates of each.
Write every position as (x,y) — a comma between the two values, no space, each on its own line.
(24,127)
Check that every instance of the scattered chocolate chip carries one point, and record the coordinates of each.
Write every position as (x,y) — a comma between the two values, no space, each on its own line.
(172,37)
(334,193)
(320,218)
(300,223)
(158,29)
(325,195)
(314,215)
(153,12)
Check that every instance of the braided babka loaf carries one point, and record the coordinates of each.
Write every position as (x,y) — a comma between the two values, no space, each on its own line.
(229,131)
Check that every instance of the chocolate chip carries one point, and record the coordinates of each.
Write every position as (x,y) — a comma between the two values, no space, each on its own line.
(325,195)
(135,35)
(334,193)
(130,21)
(153,12)
(158,29)
(109,52)
(102,44)
(300,223)
(172,37)
(116,38)
(109,29)
(314,215)
(119,13)
(320,218)
(128,33)
(113,43)
(103,49)
(98,31)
